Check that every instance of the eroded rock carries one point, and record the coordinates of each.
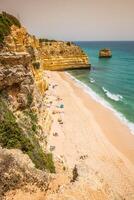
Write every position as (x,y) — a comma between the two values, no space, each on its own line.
(105,53)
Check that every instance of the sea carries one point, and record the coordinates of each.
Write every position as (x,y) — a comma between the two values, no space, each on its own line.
(110,80)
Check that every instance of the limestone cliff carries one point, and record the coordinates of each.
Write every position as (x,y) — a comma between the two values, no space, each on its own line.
(23,129)
(20,41)
(25,120)
(25,117)
(58,55)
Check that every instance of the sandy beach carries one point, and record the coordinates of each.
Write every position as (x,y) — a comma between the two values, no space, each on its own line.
(91,137)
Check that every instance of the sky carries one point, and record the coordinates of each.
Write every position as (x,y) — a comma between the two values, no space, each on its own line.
(85,20)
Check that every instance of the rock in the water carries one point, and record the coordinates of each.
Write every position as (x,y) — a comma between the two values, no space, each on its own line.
(105,53)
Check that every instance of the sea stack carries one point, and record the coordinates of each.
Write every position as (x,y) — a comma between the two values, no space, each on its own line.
(105,53)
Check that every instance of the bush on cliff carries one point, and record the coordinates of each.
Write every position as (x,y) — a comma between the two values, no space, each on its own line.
(6,21)
(46,40)
(36,65)
(12,136)
(69,43)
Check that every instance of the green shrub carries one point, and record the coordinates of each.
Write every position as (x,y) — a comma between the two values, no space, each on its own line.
(32,115)
(31,51)
(75,174)
(68,43)
(29,99)
(46,40)
(33,119)
(12,136)
(34,127)
(36,65)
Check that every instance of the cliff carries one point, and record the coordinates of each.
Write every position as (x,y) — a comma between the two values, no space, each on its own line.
(25,114)
(63,55)
(25,121)
(23,129)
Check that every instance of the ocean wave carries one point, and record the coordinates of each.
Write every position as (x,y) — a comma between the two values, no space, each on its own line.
(103,102)
(92,80)
(115,97)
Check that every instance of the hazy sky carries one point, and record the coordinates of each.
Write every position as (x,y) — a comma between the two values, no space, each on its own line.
(75,19)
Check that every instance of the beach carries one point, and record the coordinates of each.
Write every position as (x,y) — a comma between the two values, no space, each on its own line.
(91,137)
(66,100)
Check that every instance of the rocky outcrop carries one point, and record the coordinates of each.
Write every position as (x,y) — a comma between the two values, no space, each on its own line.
(13,68)
(63,55)
(22,45)
(16,78)
(17,171)
(105,53)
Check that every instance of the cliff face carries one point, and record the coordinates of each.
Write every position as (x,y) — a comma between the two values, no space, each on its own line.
(25,117)
(21,42)
(23,128)
(21,107)
(25,120)
(54,55)
(63,55)
(14,69)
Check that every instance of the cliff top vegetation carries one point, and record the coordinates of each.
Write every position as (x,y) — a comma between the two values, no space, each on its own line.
(6,21)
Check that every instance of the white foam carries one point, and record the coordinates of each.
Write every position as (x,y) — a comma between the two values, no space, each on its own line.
(115,97)
(92,80)
(103,102)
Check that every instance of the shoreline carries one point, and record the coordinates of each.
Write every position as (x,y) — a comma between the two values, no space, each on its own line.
(96,97)
(123,138)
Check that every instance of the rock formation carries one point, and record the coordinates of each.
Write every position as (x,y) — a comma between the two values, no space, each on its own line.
(105,53)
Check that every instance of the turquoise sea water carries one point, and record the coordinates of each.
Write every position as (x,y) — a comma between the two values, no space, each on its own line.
(112,79)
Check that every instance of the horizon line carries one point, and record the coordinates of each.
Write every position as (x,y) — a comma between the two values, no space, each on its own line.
(102,40)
